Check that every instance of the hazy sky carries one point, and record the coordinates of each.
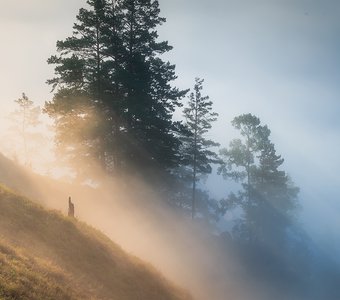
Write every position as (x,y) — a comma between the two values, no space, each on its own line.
(278,59)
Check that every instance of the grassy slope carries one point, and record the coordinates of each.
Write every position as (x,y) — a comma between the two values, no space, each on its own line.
(23,277)
(44,255)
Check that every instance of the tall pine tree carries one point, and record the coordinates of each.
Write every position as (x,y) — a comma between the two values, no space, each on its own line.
(150,100)
(114,89)
(197,153)
(81,85)
(268,199)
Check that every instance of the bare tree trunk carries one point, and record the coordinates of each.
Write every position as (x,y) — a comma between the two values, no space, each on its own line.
(70,208)
(195,166)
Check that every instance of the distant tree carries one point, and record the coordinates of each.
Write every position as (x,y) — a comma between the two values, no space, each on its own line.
(240,158)
(197,153)
(268,199)
(25,118)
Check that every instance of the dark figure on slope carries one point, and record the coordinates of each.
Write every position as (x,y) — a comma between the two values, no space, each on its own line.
(70,208)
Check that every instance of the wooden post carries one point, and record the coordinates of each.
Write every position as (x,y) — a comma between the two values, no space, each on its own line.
(70,208)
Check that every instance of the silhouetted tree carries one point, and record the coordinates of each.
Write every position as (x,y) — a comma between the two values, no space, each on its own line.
(268,199)
(149,101)
(197,153)
(26,117)
(111,79)
(84,103)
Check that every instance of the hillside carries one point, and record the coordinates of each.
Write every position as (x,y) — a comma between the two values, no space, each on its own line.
(44,255)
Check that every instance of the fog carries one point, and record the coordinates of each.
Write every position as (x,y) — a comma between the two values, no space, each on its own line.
(277,60)
(133,215)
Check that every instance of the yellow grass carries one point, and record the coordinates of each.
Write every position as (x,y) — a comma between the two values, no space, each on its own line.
(44,255)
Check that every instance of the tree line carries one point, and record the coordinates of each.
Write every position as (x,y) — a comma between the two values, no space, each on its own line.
(114,103)
(113,106)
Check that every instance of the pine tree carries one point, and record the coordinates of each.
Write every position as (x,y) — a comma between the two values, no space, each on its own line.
(268,199)
(197,153)
(150,100)
(81,81)
(276,197)
(110,74)
(26,117)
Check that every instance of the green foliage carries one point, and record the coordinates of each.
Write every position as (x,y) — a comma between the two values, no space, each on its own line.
(79,126)
(113,61)
(199,118)
(197,155)
(268,199)
(239,158)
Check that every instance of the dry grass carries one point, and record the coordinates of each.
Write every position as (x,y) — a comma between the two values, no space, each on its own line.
(24,277)
(44,255)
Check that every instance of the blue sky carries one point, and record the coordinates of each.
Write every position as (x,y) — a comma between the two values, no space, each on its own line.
(277,59)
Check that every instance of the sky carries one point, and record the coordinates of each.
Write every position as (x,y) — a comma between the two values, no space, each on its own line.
(277,59)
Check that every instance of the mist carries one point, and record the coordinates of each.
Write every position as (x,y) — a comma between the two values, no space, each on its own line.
(134,217)
(278,61)
(132,214)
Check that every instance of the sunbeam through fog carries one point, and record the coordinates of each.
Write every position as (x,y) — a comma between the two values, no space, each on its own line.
(229,189)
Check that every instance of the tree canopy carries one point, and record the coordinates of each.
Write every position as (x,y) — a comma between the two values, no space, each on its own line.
(268,199)
(113,92)
(196,147)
